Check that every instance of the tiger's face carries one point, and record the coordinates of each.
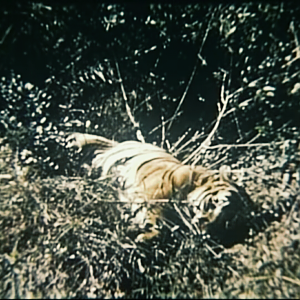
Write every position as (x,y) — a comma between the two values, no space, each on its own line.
(220,206)
(148,173)
(213,192)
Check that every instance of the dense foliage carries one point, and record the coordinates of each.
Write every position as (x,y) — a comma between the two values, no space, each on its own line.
(159,72)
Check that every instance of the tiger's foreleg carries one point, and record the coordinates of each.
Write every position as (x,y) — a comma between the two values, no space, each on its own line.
(79,140)
(153,214)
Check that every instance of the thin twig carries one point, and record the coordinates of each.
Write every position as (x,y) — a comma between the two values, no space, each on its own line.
(234,272)
(159,126)
(259,278)
(180,140)
(287,79)
(163,130)
(184,93)
(196,136)
(139,134)
(185,221)
(199,57)
(217,162)
(241,89)
(5,34)
(136,201)
(255,138)
(297,49)
(213,252)
(247,145)
(207,141)
(238,91)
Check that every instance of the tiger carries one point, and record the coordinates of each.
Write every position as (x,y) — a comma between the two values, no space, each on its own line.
(146,172)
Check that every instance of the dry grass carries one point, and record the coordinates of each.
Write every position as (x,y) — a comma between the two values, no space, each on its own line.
(64,237)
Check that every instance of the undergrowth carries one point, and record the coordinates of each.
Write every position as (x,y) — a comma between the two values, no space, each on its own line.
(71,237)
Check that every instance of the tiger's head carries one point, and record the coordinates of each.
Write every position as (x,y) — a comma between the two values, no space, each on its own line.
(221,207)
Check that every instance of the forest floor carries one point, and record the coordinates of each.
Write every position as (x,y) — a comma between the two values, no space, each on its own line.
(65,237)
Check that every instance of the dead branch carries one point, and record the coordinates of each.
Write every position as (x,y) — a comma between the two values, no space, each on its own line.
(291,280)
(135,201)
(207,141)
(180,140)
(223,99)
(196,136)
(297,48)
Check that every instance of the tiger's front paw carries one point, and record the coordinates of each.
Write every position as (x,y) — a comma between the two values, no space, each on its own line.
(76,140)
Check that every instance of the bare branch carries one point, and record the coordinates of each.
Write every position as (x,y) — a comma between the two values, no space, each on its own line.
(207,141)
(297,49)
(226,113)
(180,140)
(196,136)
(291,280)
